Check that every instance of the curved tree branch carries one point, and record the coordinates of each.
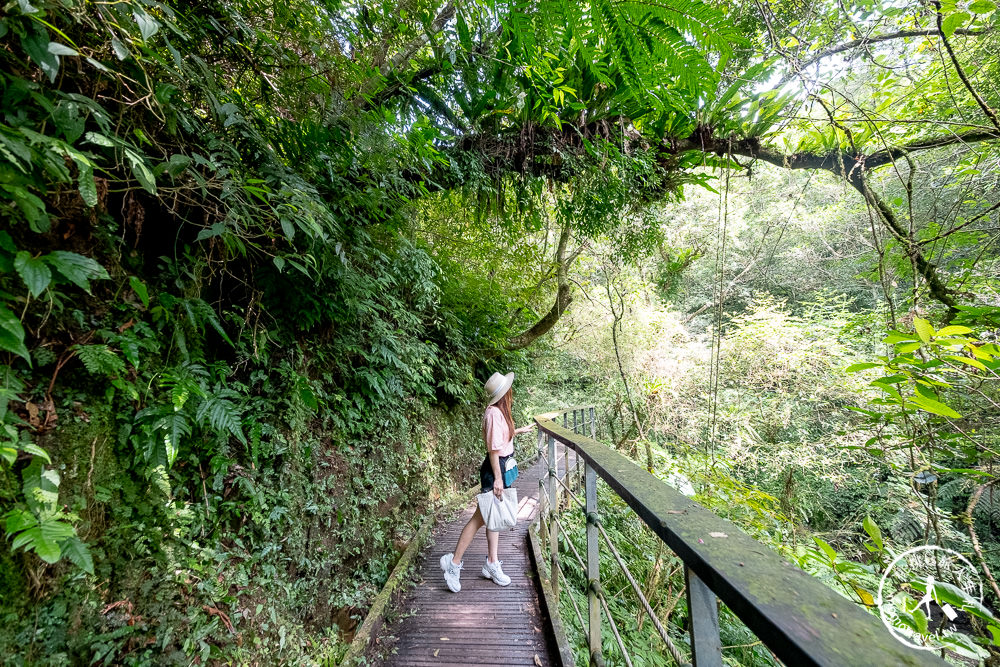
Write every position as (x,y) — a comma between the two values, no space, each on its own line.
(563,296)
(869,40)
(990,113)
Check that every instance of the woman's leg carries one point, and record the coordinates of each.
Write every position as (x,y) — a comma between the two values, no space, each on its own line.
(469,532)
(492,545)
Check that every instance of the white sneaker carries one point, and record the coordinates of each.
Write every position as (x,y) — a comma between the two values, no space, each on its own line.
(451,573)
(493,571)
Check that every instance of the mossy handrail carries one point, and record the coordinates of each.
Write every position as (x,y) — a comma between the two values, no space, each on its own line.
(800,619)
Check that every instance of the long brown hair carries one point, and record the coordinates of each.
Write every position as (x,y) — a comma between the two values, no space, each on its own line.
(504,405)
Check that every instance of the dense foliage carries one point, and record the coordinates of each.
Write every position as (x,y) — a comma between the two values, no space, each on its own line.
(257,257)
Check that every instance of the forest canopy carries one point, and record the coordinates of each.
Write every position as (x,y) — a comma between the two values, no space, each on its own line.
(257,259)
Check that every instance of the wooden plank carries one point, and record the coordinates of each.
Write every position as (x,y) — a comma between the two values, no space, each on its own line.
(564,651)
(484,623)
(803,621)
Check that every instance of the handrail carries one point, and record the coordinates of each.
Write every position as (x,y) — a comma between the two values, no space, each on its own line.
(800,619)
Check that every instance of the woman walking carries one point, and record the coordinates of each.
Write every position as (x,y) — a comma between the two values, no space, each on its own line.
(498,434)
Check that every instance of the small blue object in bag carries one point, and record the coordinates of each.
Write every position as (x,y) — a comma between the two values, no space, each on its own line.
(510,471)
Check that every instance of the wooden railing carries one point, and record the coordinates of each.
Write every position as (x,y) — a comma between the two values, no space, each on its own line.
(801,620)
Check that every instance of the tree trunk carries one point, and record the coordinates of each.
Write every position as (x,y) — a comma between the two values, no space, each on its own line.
(563,297)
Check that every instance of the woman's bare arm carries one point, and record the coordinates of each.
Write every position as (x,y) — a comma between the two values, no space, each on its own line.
(497,475)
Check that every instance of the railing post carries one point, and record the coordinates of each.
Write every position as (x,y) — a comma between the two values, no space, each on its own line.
(574,421)
(703,610)
(593,425)
(593,566)
(542,528)
(553,507)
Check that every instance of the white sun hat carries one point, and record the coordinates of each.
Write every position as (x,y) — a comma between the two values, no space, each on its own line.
(498,385)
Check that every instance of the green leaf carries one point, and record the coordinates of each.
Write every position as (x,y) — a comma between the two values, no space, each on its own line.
(57,49)
(19,519)
(12,334)
(36,45)
(78,269)
(31,207)
(99,139)
(935,407)
(33,272)
(827,549)
(924,329)
(32,448)
(955,596)
(854,368)
(975,363)
(100,360)
(140,290)
(141,171)
(148,26)
(77,552)
(982,7)
(88,188)
(953,23)
(954,330)
(896,337)
(873,531)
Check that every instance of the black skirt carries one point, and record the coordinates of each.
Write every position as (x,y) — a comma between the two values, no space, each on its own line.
(486,473)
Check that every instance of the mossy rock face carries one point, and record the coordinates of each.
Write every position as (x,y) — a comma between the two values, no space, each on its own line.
(83,448)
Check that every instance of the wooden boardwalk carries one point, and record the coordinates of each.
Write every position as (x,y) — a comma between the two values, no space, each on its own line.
(484,624)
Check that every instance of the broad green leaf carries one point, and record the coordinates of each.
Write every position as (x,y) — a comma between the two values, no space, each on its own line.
(88,188)
(873,531)
(99,139)
(141,171)
(953,22)
(923,328)
(77,552)
(47,549)
(36,45)
(933,406)
(954,330)
(148,26)
(33,272)
(12,334)
(955,596)
(854,368)
(32,448)
(906,348)
(57,49)
(896,337)
(827,549)
(982,7)
(18,520)
(975,363)
(121,51)
(56,529)
(140,290)
(78,269)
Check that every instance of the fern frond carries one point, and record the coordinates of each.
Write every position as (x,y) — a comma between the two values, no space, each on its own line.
(100,360)
(221,414)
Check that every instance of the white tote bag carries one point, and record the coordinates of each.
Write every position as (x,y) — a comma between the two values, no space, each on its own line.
(499,514)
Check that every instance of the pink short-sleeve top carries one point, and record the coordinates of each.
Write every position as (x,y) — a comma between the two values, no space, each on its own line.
(498,435)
